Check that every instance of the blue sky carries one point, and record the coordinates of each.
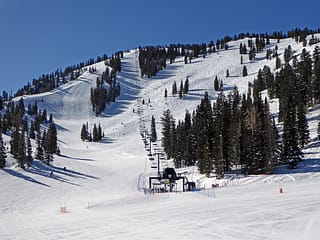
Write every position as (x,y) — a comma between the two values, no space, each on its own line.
(39,36)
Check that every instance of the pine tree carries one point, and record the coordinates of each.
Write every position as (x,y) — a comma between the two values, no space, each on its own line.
(244,71)
(318,131)
(21,151)
(99,132)
(51,139)
(291,153)
(252,53)
(287,55)
(29,152)
(302,126)
(14,143)
(3,154)
(31,132)
(221,85)
(316,74)
(44,116)
(95,137)
(216,84)
(278,62)
(218,124)
(174,88)
(186,86)
(204,127)
(181,90)
(189,146)
(168,133)
(186,59)
(304,69)
(39,152)
(153,130)
(84,132)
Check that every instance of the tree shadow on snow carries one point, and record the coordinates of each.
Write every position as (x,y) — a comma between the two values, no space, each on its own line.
(76,158)
(24,177)
(47,171)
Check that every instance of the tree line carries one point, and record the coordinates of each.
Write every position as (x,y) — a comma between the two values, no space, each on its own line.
(239,132)
(50,81)
(23,126)
(234,133)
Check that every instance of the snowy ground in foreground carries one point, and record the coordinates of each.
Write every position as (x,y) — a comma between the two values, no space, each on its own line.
(254,211)
(99,185)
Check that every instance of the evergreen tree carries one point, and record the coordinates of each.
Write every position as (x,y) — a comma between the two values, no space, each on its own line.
(244,71)
(316,74)
(181,90)
(153,130)
(204,127)
(259,139)
(218,138)
(21,150)
(287,54)
(221,85)
(186,86)
(39,150)
(31,132)
(216,84)
(302,126)
(165,93)
(44,116)
(227,73)
(95,136)
(3,154)
(174,88)
(291,153)
(304,69)
(252,53)
(14,143)
(168,133)
(318,131)
(84,132)
(99,132)
(189,140)
(51,139)
(29,152)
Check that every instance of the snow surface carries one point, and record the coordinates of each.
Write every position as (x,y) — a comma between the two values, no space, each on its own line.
(101,181)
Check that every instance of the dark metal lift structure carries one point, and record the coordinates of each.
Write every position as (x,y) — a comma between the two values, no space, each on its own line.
(169,177)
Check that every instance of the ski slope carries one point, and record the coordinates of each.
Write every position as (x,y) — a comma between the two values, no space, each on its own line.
(98,182)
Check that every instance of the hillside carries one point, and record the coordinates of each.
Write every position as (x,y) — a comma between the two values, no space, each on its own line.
(100,184)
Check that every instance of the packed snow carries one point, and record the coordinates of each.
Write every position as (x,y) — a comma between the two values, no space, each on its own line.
(99,184)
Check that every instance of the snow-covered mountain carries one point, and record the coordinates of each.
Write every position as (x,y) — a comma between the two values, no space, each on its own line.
(99,183)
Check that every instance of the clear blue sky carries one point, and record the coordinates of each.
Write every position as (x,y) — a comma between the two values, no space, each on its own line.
(39,36)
